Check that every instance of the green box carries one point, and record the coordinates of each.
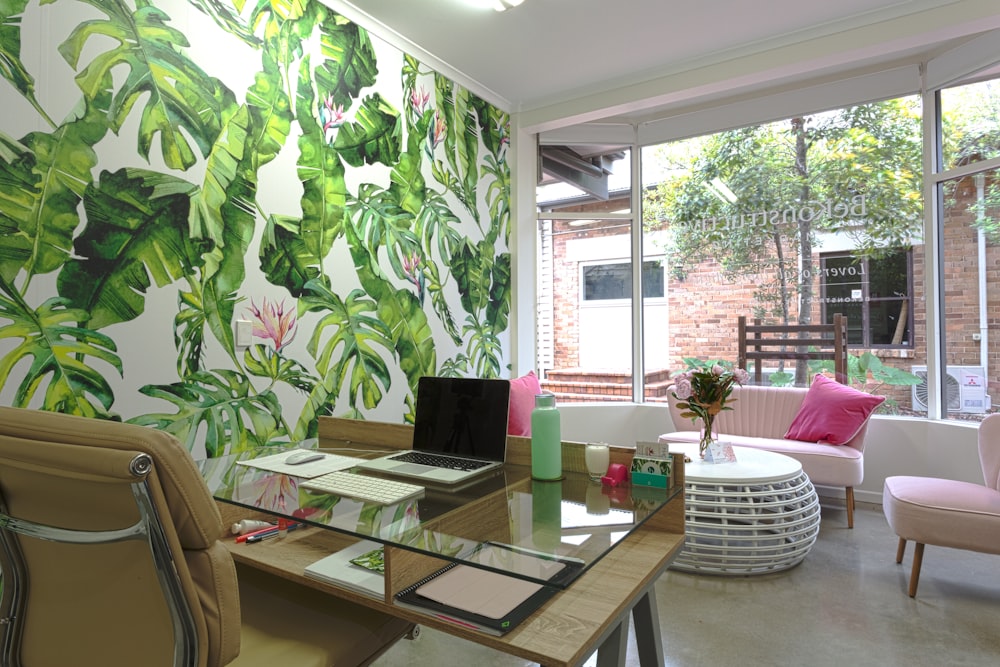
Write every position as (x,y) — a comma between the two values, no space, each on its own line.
(651,471)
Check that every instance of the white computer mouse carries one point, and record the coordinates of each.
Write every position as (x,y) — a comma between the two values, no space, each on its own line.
(302,456)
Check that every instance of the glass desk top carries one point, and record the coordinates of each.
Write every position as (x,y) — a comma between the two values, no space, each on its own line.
(491,524)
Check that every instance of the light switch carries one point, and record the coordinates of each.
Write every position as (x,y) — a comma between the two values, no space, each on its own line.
(244,332)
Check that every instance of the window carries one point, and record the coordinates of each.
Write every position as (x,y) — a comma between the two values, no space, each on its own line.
(604,282)
(787,223)
(873,293)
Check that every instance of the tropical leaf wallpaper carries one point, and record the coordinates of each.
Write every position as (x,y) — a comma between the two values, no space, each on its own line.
(171,171)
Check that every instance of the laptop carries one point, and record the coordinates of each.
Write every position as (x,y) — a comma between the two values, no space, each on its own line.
(459,432)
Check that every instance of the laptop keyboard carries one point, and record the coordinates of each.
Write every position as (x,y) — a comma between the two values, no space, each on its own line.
(441,461)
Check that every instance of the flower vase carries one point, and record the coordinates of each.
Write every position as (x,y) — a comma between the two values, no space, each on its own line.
(707,437)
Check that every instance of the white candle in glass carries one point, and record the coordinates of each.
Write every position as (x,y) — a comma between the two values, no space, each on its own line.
(597,457)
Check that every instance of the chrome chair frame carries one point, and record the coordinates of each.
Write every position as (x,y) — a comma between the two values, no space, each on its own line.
(14,584)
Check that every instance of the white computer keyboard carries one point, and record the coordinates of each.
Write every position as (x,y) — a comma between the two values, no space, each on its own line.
(364,488)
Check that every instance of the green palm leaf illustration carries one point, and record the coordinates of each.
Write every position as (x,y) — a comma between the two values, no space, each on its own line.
(262,361)
(374,136)
(179,96)
(382,223)
(322,175)
(57,350)
(485,350)
(461,143)
(349,331)
(43,186)
(227,19)
(349,63)
(285,258)
(218,404)
(189,331)
(131,239)
(472,266)
(270,115)
(399,310)
(498,308)
(222,212)
(498,198)
(11,67)
(407,182)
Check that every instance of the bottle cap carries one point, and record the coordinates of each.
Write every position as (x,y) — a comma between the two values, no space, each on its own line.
(545,400)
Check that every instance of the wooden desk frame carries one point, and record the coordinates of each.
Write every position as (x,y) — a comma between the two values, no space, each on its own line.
(593,613)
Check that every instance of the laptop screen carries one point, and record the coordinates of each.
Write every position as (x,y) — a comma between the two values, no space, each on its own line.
(462,416)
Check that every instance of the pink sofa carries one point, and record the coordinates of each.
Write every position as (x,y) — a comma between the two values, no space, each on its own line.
(761,417)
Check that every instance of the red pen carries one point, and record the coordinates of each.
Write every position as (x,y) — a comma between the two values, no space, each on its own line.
(268,534)
(243,538)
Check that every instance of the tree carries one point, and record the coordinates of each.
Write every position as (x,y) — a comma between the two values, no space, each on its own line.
(756,199)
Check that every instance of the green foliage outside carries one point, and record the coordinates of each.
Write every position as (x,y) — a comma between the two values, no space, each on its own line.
(109,235)
(865,372)
(790,182)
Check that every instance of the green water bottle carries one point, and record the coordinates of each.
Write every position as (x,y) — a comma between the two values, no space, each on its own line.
(546,439)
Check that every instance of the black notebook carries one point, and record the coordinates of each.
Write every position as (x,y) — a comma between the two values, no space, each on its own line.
(486,600)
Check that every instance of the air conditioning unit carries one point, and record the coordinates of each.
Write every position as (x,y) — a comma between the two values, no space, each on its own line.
(965,389)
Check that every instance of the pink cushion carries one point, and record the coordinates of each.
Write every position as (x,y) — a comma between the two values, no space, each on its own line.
(522,401)
(945,512)
(832,413)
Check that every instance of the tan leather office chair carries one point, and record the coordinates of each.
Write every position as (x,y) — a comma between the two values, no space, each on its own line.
(110,556)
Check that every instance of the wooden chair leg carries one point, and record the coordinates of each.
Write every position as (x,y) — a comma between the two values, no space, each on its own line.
(900,550)
(850,507)
(918,558)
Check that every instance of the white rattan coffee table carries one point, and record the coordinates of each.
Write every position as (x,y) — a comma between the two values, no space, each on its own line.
(760,514)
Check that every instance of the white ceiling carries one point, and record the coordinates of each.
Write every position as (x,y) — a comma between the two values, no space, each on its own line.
(547,53)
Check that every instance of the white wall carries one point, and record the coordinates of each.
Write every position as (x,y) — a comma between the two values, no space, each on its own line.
(895,445)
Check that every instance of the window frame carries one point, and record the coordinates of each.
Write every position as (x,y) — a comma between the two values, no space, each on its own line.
(866,298)
(591,303)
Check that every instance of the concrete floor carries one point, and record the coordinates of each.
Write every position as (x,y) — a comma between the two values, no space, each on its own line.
(846,604)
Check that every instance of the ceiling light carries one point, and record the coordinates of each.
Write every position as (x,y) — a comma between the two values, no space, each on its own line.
(502,5)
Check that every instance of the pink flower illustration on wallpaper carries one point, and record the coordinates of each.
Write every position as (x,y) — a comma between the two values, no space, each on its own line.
(276,493)
(414,274)
(332,117)
(419,99)
(273,322)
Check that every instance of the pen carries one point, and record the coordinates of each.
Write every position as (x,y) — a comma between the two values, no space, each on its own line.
(269,533)
(245,536)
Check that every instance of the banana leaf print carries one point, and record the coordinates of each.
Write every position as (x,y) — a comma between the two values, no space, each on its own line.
(322,175)
(392,240)
(285,258)
(53,171)
(56,348)
(373,137)
(10,54)
(262,361)
(227,19)
(221,403)
(179,94)
(399,310)
(349,63)
(189,331)
(356,336)
(270,115)
(130,241)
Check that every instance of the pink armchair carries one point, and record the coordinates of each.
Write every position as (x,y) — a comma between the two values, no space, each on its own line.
(948,513)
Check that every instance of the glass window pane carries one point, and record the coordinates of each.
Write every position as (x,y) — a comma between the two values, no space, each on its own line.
(971,242)
(791,222)
(585,277)
(969,129)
